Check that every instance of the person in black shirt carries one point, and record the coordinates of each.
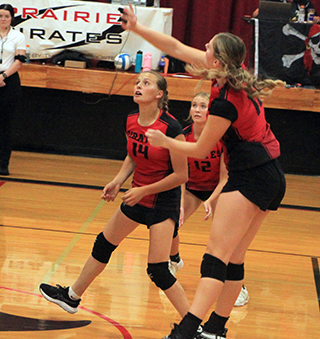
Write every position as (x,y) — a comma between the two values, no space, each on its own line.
(256,12)
(12,55)
(295,7)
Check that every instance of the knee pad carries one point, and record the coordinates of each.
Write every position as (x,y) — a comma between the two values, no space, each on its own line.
(102,249)
(235,272)
(212,267)
(159,273)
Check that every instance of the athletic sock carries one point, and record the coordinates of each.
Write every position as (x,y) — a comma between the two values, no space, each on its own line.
(72,294)
(175,258)
(189,325)
(215,323)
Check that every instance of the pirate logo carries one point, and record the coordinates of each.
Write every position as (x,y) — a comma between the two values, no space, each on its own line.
(312,43)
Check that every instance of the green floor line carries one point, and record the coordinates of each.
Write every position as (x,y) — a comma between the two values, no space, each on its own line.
(70,246)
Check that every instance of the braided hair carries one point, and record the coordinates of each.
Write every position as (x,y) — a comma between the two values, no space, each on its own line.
(230,50)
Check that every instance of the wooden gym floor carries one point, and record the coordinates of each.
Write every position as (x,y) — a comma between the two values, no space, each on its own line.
(50,213)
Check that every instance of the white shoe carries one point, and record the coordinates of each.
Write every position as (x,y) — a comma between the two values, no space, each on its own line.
(243,297)
(206,335)
(174,267)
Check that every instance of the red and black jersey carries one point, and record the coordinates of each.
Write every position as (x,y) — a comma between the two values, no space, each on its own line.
(152,163)
(204,174)
(249,141)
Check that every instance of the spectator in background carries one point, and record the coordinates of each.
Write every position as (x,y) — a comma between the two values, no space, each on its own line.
(256,12)
(295,7)
(12,55)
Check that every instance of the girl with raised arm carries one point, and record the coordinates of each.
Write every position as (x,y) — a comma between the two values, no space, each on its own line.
(256,183)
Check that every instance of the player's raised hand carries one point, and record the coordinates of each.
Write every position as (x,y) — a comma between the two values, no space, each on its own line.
(129,19)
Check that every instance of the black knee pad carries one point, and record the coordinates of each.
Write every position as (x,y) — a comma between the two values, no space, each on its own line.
(212,267)
(159,273)
(235,272)
(102,249)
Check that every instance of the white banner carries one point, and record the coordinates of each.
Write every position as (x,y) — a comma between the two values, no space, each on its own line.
(51,26)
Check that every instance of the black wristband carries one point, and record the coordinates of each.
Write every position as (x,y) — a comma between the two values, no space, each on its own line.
(4,75)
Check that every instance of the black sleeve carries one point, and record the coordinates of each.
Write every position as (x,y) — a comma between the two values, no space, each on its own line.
(187,130)
(174,129)
(223,108)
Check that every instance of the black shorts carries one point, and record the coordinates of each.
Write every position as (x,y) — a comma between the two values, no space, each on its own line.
(264,185)
(202,195)
(151,216)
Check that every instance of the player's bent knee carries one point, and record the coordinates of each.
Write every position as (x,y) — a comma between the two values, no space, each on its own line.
(159,273)
(213,267)
(102,249)
(235,272)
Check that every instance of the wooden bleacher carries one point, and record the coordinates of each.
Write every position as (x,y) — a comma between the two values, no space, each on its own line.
(100,81)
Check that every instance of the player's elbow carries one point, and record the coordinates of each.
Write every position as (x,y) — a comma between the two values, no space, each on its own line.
(201,153)
(183,178)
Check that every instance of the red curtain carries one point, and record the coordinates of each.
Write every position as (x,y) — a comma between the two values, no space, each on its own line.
(316,5)
(195,22)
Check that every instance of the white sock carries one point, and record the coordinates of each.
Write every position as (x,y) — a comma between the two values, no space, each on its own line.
(72,294)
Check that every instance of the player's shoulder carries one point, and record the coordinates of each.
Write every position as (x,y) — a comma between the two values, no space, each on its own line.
(168,118)
(174,127)
(187,130)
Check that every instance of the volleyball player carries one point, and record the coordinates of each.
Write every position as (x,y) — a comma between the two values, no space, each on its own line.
(206,179)
(153,200)
(256,183)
